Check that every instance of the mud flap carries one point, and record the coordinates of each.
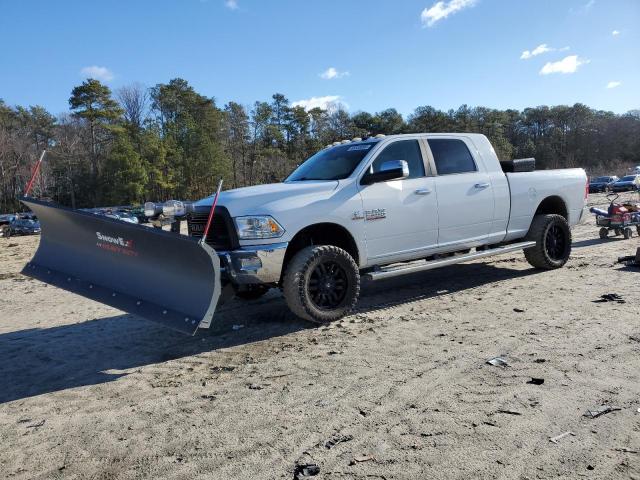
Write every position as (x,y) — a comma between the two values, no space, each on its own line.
(165,277)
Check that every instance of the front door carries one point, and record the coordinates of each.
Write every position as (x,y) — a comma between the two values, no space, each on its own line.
(465,195)
(400,216)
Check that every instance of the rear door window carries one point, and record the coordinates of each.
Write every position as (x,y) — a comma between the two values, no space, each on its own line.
(451,156)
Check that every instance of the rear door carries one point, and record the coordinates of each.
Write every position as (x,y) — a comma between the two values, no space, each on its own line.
(464,192)
(400,216)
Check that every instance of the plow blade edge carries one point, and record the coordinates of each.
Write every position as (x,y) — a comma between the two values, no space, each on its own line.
(165,277)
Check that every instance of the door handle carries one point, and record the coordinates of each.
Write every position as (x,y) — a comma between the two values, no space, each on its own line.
(422,191)
(480,186)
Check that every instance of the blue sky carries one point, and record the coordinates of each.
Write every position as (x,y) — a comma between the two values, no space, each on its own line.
(374,54)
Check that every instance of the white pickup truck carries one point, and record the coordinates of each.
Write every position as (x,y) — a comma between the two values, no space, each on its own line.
(377,207)
(373,207)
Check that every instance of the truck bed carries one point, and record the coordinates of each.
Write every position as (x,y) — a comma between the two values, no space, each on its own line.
(528,189)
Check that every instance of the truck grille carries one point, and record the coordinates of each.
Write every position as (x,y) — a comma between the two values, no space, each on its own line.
(221,236)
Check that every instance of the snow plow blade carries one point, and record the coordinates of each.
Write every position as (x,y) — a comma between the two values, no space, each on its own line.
(164,277)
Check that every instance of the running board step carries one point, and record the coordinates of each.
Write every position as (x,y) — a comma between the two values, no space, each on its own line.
(396,270)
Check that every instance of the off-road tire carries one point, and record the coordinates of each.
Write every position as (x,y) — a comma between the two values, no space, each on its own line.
(627,233)
(539,255)
(604,233)
(297,278)
(253,293)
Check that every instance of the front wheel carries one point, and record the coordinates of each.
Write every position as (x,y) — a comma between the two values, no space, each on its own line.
(553,242)
(321,283)
(604,233)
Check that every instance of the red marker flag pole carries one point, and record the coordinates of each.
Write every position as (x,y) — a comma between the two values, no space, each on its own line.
(36,169)
(211,213)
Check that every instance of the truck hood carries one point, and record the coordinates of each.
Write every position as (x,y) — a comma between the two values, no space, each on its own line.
(264,199)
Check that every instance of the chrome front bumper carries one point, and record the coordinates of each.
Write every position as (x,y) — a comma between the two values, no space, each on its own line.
(254,265)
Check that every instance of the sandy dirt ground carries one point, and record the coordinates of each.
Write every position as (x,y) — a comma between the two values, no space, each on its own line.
(400,389)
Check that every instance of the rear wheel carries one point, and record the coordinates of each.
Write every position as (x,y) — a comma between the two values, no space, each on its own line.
(321,283)
(627,232)
(553,242)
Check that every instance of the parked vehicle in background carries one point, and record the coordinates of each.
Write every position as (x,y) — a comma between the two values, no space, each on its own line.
(26,216)
(601,184)
(637,169)
(117,213)
(22,226)
(122,215)
(7,218)
(373,208)
(626,183)
(138,212)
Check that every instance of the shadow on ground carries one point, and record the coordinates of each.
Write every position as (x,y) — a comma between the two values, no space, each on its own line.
(595,241)
(38,361)
(446,281)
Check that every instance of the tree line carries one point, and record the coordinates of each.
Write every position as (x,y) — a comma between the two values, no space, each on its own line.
(169,141)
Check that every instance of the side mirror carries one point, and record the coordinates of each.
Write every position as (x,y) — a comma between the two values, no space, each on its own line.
(389,170)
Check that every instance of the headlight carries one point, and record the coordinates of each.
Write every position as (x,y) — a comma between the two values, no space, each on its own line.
(173,208)
(254,228)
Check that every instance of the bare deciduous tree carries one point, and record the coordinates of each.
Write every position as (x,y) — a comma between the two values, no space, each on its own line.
(134,99)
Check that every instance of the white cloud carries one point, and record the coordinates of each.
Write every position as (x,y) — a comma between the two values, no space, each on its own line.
(539,50)
(99,73)
(442,9)
(231,4)
(613,84)
(327,102)
(615,33)
(567,65)
(331,73)
(584,9)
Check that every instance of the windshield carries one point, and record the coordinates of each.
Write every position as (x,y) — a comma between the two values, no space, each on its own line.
(602,179)
(628,178)
(333,163)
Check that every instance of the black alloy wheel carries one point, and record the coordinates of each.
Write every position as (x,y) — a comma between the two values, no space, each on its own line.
(328,285)
(556,242)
